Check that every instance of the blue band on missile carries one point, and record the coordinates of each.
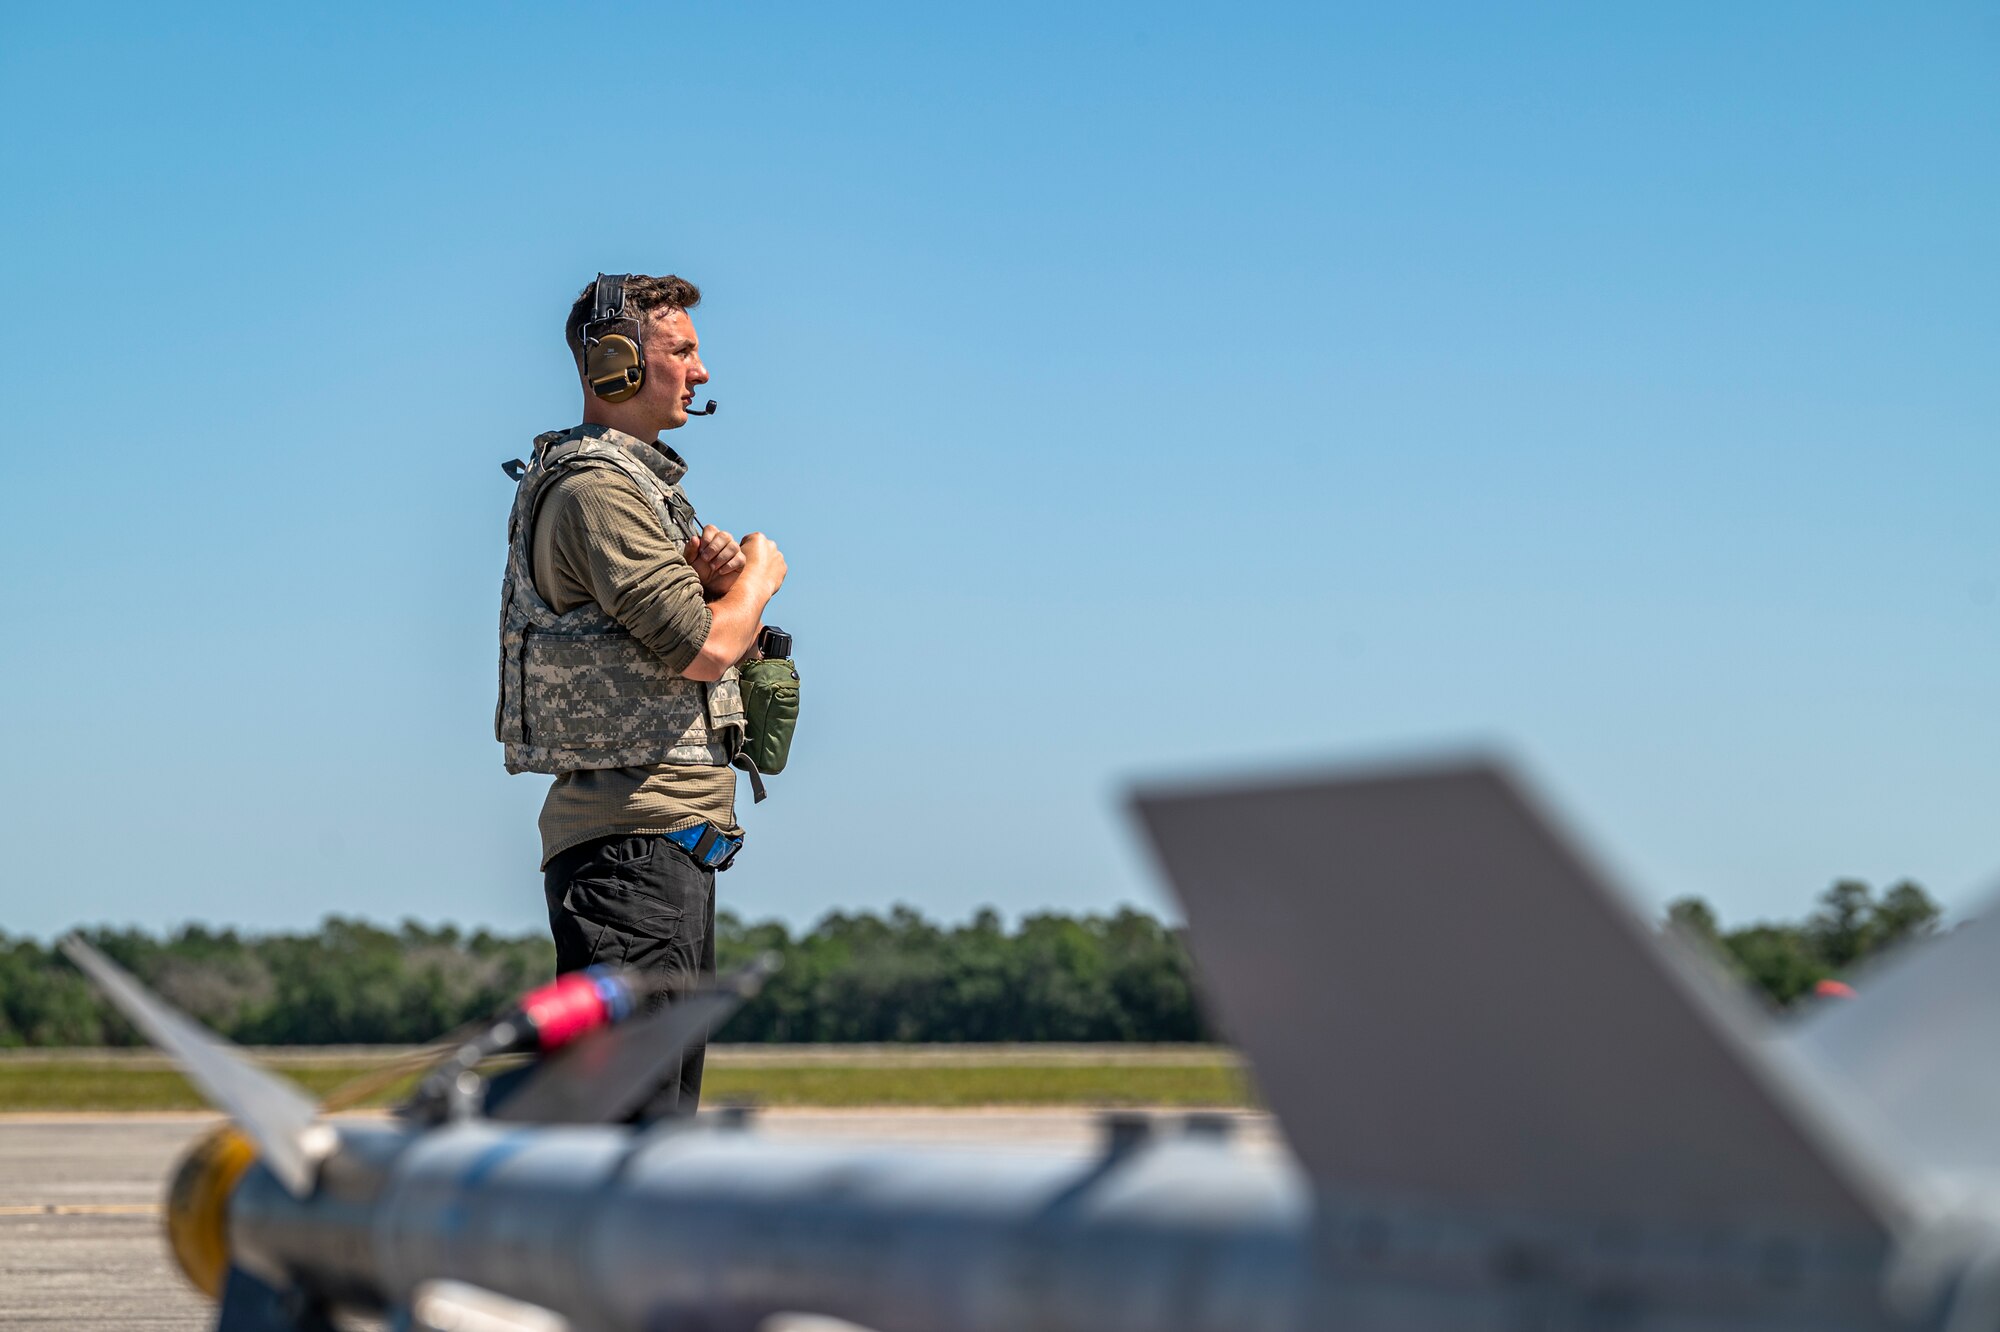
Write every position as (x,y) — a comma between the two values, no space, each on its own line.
(613,989)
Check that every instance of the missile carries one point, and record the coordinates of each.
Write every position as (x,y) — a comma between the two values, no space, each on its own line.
(1507,1102)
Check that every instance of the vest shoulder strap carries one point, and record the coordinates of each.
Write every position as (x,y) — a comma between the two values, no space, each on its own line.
(557,455)
(577,454)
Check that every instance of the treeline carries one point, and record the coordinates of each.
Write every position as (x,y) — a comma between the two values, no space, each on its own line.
(1786,961)
(901,978)
(852,977)
(348,982)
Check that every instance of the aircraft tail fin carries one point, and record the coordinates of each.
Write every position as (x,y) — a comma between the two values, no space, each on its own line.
(1442,1001)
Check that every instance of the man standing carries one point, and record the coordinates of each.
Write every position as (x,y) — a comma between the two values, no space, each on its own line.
(623,620)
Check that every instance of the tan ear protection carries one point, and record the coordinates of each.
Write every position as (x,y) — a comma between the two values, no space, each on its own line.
(614,349)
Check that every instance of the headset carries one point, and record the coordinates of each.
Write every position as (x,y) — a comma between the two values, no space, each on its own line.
(614,345)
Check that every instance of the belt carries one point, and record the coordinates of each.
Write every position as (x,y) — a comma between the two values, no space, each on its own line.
(710,849)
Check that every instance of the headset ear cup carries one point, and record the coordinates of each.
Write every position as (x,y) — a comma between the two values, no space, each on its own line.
(614,367)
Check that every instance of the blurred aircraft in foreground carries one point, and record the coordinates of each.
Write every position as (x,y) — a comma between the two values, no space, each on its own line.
(1511,1104)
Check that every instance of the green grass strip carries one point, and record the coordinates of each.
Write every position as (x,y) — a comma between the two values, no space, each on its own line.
(1209,1084)
(97,1086)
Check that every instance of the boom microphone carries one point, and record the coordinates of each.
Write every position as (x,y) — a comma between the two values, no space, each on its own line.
(706,411)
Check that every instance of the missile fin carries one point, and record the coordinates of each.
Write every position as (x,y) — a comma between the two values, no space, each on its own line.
(610,1074)
(454,1306)
(276,1113)
(1443,1002)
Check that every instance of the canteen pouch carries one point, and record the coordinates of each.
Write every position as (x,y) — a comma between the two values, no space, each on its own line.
(771,709)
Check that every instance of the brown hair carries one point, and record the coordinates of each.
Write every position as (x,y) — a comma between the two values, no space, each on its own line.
(643,295)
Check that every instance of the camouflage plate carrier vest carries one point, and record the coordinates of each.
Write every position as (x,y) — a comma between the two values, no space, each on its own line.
(578,690)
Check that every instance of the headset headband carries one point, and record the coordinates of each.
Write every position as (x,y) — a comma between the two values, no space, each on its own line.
(609,301)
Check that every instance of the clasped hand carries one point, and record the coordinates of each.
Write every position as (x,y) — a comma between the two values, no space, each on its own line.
(717,560)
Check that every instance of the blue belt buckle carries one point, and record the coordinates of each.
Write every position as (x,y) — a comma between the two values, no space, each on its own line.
(716,855)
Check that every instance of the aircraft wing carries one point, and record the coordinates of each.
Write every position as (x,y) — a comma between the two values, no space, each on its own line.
(1913,1052)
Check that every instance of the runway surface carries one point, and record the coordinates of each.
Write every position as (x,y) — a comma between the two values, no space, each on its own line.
(80,1238)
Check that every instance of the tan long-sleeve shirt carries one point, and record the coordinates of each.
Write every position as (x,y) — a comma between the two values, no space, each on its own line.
(598,539)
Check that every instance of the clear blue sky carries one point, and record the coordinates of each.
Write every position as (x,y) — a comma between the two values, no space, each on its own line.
(1139,391)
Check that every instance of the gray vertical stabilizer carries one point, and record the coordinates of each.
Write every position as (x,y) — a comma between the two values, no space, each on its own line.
(1443,1002)
(1914,1054)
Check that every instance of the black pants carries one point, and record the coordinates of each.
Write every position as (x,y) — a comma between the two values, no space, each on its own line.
(641,902)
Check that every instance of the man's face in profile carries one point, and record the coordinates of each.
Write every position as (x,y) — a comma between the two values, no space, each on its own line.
(673,367)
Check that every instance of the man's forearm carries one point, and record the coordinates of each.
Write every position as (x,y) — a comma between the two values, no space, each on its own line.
(735,617)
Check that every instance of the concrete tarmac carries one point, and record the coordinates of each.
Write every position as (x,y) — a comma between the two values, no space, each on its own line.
(81,1244)
(94,1255)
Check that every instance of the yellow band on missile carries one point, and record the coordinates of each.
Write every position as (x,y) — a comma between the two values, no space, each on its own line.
(198,1206)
